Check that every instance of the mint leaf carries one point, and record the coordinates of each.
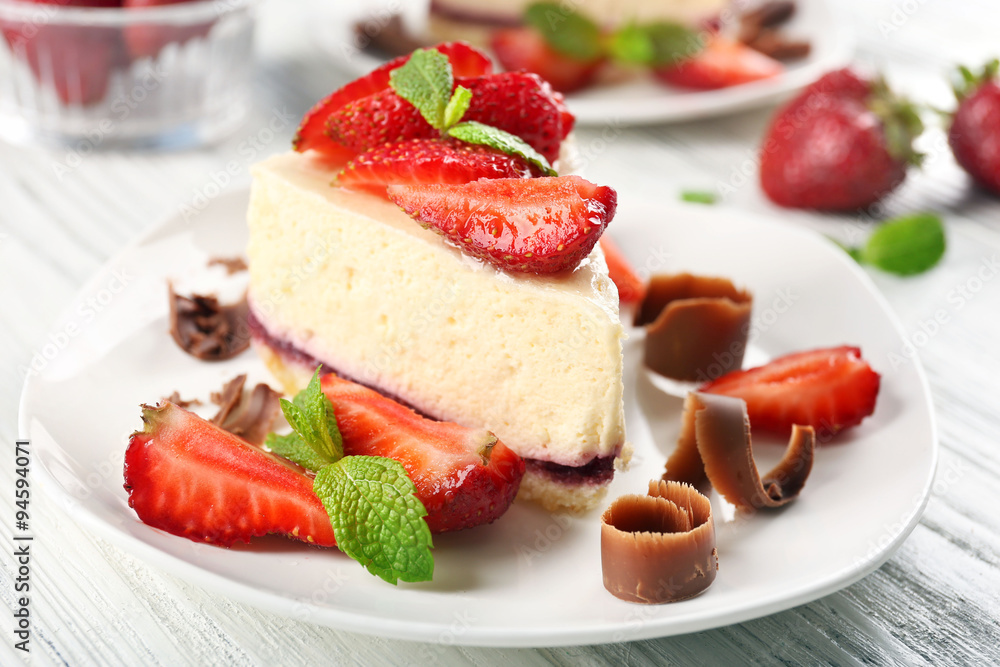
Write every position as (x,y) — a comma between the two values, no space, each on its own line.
(654,44)
(294,448)
(906,245)
(566,31)
(311,416)
(698,196)
(425,81)
(457,106)
(631,45)
(477,133)
(377,520)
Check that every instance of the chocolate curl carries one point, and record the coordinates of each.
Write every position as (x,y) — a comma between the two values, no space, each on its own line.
(659,547)
(722,443)
(696,326)
(206,329)
(248,415)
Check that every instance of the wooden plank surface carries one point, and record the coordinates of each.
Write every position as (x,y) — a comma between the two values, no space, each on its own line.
(937,601)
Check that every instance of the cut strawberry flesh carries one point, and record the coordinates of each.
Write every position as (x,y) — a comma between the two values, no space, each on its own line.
(721,64)
(464,477)
(465,61)
(828,389)
(429,161)
(526,49)
(631,288)
(190,478)
(537,225)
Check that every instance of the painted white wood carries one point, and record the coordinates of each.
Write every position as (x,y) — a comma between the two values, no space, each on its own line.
(937,601)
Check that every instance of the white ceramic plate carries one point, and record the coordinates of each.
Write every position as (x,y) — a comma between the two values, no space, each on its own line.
(641,101)
(530,579)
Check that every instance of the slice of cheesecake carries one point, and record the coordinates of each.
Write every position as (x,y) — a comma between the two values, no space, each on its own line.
(346,279)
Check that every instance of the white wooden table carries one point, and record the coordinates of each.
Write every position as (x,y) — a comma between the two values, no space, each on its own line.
(936,601)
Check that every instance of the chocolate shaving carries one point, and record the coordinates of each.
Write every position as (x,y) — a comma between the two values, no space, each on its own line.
(231,264)
(206,329)
(390,38)
(248,415)
(771,43)
(715,430)
(659,547)
(759,30)
(696,326)
(176,399)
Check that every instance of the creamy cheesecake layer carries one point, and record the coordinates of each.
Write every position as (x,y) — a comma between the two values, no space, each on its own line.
(557,488)
(348,278)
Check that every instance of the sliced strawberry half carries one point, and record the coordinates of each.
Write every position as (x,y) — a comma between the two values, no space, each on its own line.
(429,161)
(526,49)
(190,478)
(631,288)
(518,102)
(721,64)
(523,104)
(534,225)
(376,120)
(465,61)
(828,389)
(464,477)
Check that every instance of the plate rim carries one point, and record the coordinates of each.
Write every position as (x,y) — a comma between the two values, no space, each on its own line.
(431,632)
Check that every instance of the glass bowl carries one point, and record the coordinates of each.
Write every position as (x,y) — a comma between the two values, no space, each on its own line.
(88,78)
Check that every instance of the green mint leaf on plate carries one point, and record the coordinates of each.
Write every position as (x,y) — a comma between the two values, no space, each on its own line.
(311,416)
(294,448)
(377,520)
(425,81)
(565,31)
(457,106)
(698,196)
(654,44)
(906,245)
(477,133)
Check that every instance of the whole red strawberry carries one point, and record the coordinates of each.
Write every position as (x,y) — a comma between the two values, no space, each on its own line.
(974,136)
(843,144)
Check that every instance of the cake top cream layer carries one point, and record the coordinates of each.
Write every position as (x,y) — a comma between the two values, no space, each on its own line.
(588,281)
(604,12)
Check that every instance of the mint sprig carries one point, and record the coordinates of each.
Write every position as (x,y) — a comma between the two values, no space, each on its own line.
(426,81)
(377,519)
(654,44)
(475,132)
(316,441)
(566,31)
(905,246)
